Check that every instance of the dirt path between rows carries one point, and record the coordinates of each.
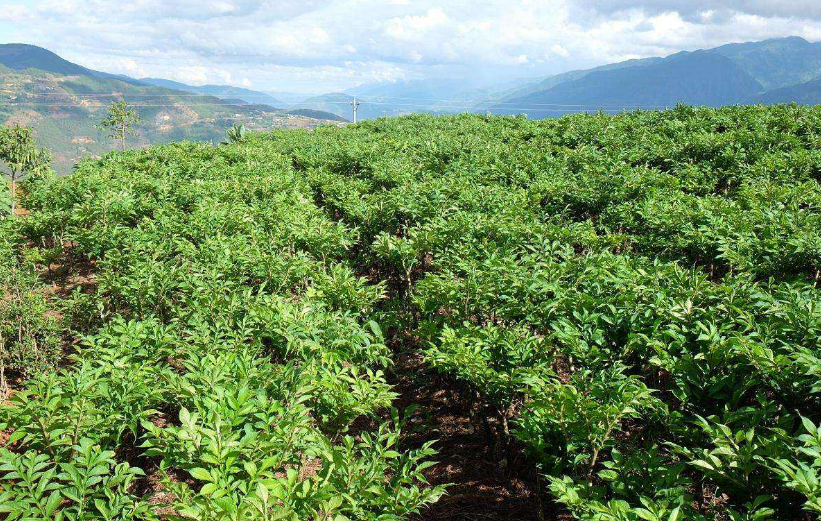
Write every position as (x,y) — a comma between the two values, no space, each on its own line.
(481,489)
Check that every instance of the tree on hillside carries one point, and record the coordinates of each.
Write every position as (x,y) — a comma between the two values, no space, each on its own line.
(120,121)
(19,152)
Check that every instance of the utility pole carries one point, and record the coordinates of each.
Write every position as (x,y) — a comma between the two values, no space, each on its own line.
(355,104)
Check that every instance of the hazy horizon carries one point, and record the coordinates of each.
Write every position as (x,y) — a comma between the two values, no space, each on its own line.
(313,46)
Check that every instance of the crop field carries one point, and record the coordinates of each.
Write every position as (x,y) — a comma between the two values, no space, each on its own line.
(625,307)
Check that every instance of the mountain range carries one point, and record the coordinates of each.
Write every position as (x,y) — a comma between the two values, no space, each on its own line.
(772,71)
(700,78)
(64,101)
(223,92)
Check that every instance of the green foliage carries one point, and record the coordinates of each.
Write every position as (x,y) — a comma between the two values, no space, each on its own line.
(30,330)
(235,134)
(5,200)
(633,299)
(91,486)
(120,121)
(617,289)
(233,343)
(803,474)
(31,324)
(21,156)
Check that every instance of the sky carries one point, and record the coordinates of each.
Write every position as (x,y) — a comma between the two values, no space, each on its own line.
(330,45)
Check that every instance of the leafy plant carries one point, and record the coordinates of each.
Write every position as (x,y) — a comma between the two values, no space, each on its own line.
(631,299)
(235,134)
(120,121)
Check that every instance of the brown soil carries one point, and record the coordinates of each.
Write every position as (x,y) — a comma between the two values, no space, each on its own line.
(70,273)
(480,488)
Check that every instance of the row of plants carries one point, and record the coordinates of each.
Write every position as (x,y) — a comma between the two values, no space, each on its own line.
(32,321)
(632,299)
(228,364)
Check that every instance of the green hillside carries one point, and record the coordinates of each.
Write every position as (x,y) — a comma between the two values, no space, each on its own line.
(219,91)
(777,63)
(611,317)
(64,103)
(20,57)
(807,93)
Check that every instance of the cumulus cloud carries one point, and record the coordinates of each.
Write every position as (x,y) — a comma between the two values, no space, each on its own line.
(321,45)
(802,9)
(14,13)
(413,27)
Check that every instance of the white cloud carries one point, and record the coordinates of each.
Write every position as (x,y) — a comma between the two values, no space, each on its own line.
(321,45)
(412,27)
(802,9)
(559,50)
(192,75)
(14,13)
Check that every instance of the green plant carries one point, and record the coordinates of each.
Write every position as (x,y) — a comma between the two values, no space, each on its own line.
(120,120)
(235,134)
(632,299)
(19,151)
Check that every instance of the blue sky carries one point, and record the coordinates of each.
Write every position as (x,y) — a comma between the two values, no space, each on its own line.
(325,45)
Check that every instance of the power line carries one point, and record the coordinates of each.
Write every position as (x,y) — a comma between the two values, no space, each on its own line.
(495,103)
(121,95)
(377,100)
(340,104)
(544,108)
(382,100)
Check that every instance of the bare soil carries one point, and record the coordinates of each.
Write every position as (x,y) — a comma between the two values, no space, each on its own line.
(480,487)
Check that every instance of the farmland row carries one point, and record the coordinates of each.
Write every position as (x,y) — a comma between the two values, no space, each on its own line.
(229,352)
(634,299)
(631,300)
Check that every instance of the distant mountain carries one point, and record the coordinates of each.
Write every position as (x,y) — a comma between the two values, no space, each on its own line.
(807,93)
(20,56)
(292,98)
(339,103)
(434,95)
(698,78)
(781,69)
(246,95)
(64,102)
(729,74)
(225,92)
(433,89)
(168,84)
(776,63)
(552,81)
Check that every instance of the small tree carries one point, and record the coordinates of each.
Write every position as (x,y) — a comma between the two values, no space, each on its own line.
(18,150)
(120,121)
